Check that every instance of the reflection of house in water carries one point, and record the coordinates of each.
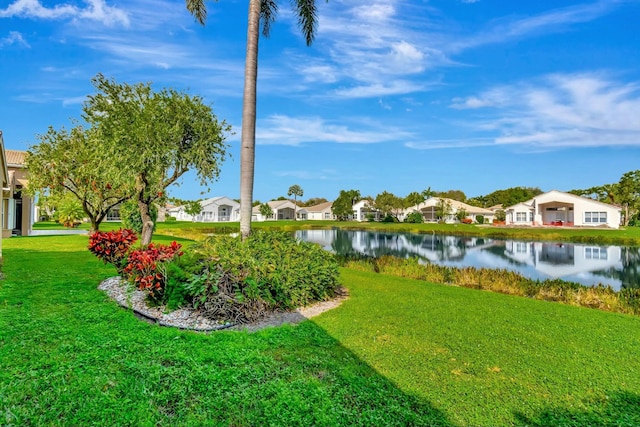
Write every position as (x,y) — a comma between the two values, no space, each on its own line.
(324,238)
(563,259)
(431,247)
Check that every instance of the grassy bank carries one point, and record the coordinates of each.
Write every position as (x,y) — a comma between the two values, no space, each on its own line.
(629,236)
(398,352)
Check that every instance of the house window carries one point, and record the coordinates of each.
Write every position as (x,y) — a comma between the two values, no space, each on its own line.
(521,247)
(531,216)
(595,217)
(595,253)
(521,217)
(327,215)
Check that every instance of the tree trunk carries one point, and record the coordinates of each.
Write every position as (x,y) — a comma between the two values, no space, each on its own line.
(248,137)
(147,221)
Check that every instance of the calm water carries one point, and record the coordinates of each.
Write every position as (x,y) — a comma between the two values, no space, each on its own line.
(617,266)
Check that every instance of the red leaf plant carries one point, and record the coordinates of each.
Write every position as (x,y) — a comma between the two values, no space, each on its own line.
(112,247)
(145,266)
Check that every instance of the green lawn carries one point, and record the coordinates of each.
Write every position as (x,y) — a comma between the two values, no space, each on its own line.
(624,236)
(398,352)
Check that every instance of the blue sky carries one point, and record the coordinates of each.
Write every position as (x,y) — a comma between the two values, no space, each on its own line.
(474,95)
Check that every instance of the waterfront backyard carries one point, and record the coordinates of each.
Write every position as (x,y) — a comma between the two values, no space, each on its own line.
(397,352)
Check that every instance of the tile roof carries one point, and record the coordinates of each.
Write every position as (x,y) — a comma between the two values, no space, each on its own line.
(15,157)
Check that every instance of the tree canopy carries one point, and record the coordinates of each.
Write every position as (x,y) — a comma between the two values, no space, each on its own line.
(155,138)
(74,162)
(342,207)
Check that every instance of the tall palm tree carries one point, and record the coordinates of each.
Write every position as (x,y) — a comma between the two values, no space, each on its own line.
(260,12)
(295,191)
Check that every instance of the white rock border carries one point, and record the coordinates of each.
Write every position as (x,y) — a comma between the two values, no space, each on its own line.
(185,318)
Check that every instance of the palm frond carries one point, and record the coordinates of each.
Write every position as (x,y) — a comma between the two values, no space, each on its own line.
(268,11)
(198,9)
(307,18)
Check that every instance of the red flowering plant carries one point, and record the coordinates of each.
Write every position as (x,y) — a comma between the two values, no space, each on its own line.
(146,267)
(112,247)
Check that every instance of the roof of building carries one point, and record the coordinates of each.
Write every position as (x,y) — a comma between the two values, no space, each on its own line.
(319,207)
(15,158)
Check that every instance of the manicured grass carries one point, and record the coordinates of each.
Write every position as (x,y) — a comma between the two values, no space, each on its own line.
(398,352)
(624,236)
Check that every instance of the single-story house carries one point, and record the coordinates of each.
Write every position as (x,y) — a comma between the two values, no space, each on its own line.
(215,209)
(19,214)
(558,208)
(4,178)
(429,210)
(282,210)
(363,211)
(320,211)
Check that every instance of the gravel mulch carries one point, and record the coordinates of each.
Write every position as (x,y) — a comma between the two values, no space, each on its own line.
(187,318)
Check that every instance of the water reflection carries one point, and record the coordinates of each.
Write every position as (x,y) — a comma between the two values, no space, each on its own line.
(616,266)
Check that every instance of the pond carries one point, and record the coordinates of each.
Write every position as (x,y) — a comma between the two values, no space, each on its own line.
(616,266)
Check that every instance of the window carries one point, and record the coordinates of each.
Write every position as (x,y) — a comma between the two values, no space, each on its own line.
(595,253)
(327,215)
(521,217)
(531,216)
(595,217)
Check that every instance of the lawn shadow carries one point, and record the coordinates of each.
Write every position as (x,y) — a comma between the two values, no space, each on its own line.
(76,358)
(621,408)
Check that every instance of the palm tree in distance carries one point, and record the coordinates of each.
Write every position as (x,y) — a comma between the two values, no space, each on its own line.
(295,191)
(260,12)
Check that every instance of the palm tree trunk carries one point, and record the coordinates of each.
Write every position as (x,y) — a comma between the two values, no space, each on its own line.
(248,136)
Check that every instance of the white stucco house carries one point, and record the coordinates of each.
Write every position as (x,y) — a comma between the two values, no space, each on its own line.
(364,211)
(215,209)
(282,210)
(429,211)
(563,209)
(320,211)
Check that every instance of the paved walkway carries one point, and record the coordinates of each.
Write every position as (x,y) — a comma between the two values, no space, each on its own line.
(56,232)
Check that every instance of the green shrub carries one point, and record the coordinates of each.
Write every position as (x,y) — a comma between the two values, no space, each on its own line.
(414,218)
(131,218)
(480,219)
(389,218)
(228,279)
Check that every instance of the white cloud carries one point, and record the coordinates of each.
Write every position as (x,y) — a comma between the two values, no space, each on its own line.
(470,103)
(14,38)
(562,110)
(438,144)
(397,87)
(96,10)
(285,130)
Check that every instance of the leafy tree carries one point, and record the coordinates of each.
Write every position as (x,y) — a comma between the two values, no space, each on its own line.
(69,210)
(131,218)
(342,207)
(261,13)
(295,191)
(155,138)
(461,214)
(74,162)
(629,194)
(266,211)
(389,204)
(501,215)
(193,208)
(453,195)
(415,218)
(314,201)
(413,199)
(443,209)
(506,197)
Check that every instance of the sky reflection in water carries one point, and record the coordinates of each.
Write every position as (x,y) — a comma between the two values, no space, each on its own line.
(616,266)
